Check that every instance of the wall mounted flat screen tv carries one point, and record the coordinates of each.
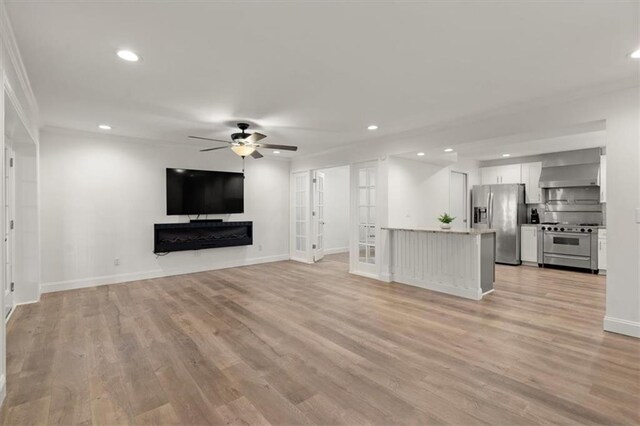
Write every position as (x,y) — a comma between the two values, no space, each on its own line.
(204,192)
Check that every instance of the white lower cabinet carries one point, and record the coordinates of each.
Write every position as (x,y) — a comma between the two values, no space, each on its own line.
(529,243)
(602,249)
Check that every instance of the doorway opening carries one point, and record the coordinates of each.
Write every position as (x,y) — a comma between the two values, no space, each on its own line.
(330,214)
(21,277)
(459,199)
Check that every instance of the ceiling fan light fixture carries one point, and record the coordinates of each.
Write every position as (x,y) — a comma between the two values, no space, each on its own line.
(243,150)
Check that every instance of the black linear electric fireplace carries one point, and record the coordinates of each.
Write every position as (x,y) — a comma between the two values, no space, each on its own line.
(201,235)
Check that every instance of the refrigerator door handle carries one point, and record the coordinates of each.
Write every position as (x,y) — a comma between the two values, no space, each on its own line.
(490,208)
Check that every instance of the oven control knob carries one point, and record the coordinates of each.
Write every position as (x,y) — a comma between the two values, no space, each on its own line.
(543,228)
(582,230)
(589,230)
(555,229)
(562,229)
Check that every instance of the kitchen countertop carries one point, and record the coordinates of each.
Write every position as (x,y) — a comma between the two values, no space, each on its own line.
(467,231)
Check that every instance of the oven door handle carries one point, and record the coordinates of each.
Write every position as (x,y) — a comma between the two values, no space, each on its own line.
(567,256)
(568,234)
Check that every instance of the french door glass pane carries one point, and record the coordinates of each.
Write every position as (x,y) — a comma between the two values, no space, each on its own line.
(363,200)
(363,234)
(371,256)
(372,177)
(372,215)
(371,236)
(362,253)
(362,177)
(363,216)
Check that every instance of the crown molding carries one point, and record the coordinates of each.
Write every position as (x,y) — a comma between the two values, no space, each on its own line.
(11,47)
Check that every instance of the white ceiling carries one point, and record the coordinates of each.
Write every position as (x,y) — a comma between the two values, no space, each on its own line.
(313,74)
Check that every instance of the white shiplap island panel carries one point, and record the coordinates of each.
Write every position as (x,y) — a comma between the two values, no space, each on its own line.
(457,262)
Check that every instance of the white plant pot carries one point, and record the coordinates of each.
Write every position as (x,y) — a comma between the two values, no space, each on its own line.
(445,226)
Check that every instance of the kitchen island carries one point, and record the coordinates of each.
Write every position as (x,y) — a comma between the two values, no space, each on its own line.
(460,262)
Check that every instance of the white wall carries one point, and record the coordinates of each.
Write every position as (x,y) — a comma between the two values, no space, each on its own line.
(419,191)
(336,211)
(101,195)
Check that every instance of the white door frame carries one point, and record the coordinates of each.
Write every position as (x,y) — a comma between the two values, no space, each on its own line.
(466,195)
(9,232)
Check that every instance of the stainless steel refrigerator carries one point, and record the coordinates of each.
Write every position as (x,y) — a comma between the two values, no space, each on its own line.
(500,207)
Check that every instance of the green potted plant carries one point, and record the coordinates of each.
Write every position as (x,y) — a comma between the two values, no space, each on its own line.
(445,221)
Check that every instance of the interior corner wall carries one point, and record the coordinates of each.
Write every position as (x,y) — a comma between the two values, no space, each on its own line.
(419,191)
(101,195)
(336,209)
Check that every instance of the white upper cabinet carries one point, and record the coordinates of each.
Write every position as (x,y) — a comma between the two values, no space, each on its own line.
(531,179)
(603,178)
(490,175)
(501,174)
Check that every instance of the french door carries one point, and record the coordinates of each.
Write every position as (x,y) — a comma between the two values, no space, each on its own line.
(364,223)
(318,215)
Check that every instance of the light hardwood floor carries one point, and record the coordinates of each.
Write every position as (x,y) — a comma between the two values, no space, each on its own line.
(289,343)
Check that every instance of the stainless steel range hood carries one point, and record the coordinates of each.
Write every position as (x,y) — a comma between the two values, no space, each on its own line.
(570,176)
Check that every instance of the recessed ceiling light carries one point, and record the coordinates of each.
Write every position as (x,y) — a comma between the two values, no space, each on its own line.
(104,127)
(506,155)
(128,55)
(373,127)
(276,152)
(448,150)
(420,154)
(635,55)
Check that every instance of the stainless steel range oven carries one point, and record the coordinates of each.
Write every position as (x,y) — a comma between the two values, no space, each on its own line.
(568,245)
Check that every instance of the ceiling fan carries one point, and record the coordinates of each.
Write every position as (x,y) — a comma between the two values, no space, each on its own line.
(245,144)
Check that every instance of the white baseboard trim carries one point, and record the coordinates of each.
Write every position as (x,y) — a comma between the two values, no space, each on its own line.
(336,250)
(145,275)
(621,326)
(301,260)
(366,274)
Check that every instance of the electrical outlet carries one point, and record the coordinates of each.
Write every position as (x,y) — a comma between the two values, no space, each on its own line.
(116,261)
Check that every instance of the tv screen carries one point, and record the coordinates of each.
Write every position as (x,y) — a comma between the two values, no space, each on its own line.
(204,192)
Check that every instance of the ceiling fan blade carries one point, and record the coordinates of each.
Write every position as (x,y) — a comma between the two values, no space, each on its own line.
(282,147)
(209,139)
(255,137)
(213,149)
(256,155)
